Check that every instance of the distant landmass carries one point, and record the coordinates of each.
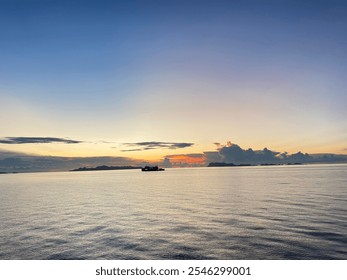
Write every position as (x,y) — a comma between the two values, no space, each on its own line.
(222,164)
(227,155)
(105,167)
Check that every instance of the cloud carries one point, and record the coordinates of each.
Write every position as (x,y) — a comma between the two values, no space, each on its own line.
(233,153)
(131,150)
(182,160)
(37,140)
(5,153)
(20,162)
(212,156)
(143,146)
(229,153)
(218,145)
(103,142)
(167,163)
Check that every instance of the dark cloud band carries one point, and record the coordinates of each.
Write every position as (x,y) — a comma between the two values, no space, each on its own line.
(142,146)
(37,140)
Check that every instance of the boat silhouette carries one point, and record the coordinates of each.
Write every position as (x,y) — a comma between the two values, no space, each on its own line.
(152,168)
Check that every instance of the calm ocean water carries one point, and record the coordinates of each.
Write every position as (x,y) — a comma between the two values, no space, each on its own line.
(272,212)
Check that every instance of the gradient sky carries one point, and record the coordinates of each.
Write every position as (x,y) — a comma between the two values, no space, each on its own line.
(256,73)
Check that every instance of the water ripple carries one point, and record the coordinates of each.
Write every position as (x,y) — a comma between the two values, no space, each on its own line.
(199,213)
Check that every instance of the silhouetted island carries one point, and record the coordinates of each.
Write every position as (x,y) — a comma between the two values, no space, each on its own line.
(222,164)
(105,167)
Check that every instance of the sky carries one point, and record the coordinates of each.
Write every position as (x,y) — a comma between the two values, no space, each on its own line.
(151,79)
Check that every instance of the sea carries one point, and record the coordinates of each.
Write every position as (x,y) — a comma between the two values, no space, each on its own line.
(224,213)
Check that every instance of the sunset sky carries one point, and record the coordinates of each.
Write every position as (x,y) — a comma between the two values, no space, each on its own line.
(147,79)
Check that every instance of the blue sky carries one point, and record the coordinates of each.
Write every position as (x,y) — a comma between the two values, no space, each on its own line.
(257,73)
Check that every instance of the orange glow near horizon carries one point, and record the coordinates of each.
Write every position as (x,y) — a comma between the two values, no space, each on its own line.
(187,160)
(95,150)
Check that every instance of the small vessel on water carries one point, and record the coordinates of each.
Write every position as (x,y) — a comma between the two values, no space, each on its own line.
(152,168)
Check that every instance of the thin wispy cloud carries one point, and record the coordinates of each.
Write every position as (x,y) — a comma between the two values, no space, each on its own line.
(104,142)
(37,140)
(131,150)
(143,146)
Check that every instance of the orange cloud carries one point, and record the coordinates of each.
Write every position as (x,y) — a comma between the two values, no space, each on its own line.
(187,159)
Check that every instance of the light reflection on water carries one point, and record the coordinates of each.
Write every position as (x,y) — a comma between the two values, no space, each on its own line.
(272,212)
